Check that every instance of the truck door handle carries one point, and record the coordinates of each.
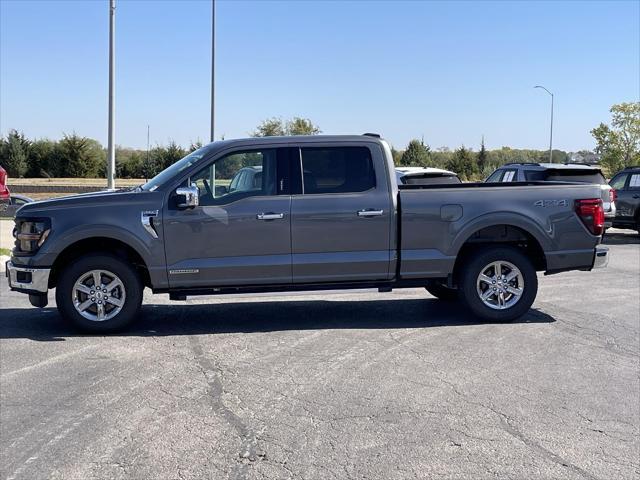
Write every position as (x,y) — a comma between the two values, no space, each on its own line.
(636,196)
(269,216)
(369,212)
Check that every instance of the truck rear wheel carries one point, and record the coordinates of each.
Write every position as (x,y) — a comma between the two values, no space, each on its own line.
(499,284)
(99,293)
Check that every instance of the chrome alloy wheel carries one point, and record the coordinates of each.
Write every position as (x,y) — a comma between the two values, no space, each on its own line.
(500,285)
(98,295)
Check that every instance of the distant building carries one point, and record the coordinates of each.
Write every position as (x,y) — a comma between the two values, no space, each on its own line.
(586,157)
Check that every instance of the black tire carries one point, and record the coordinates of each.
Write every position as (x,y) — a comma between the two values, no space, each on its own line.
(131,284)
(477,262)
(442,292)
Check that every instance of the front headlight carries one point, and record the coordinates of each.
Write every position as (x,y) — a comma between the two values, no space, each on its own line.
(31,233)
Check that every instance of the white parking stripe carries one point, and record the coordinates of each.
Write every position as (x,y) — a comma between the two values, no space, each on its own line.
(48,361)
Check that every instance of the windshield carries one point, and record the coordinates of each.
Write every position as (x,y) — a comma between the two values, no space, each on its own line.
(174,169)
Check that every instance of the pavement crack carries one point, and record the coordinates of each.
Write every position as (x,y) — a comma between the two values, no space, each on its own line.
(249,451)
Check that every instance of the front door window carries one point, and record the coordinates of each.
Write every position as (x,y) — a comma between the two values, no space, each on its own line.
(237,176)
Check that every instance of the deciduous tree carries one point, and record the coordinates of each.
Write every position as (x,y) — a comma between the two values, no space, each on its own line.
(619,144)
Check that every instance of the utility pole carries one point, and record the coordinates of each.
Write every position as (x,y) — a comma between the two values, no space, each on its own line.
(111,153)
(213,63)
(551,133)
(146,170)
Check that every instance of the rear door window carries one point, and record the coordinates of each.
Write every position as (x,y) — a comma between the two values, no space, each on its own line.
(510,176)
(634,181)
(619,181)
(495,176)
(337,170)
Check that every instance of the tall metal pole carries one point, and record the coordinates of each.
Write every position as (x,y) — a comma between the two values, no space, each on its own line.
(213,64)
(146,169)
(111,153)
(551,132)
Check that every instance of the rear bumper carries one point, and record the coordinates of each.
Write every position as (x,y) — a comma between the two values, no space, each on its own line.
(28,280)
(609,218)
(567,260)
(601,257)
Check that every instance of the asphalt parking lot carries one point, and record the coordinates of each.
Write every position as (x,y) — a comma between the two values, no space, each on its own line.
(356,385)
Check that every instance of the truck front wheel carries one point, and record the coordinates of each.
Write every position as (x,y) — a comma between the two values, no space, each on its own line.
(99,293)
(499,284)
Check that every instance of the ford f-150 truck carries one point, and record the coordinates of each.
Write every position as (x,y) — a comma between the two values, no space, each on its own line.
(325,212)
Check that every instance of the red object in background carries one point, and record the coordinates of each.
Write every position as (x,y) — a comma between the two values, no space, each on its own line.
(613,194)
(4,191)
(591,213)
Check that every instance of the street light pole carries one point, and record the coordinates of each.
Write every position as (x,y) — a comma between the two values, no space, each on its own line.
(213,62)
(551,132)
(111,153)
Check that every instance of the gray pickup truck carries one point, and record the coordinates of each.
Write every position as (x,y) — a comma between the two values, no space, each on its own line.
(325,212)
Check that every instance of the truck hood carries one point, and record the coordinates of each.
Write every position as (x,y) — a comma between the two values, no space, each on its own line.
(90,200)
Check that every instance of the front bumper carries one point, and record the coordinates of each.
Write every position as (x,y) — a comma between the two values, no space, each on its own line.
(601,257)
(28,280)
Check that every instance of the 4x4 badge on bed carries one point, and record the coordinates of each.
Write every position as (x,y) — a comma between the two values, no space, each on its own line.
(551,203)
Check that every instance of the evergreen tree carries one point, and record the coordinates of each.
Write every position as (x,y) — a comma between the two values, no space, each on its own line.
(41,159)
(416,155)
(14,154)
(80,157)
(482,157)
(462,163)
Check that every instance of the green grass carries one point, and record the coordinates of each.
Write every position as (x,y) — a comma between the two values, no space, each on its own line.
(5,251)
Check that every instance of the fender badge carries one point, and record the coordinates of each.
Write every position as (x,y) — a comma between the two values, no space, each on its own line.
(186,270)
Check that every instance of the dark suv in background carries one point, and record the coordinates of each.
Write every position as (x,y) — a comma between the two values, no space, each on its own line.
(626,184)
(560,172)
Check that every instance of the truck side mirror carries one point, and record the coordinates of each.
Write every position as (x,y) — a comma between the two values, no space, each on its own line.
(188,197)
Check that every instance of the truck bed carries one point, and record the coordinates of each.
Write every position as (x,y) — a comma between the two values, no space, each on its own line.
(437,220)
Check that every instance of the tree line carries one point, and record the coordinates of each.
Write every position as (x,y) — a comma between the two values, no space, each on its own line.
(618,145)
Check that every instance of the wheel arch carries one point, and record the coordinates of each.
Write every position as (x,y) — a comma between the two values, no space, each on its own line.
(100,244)
(491,232)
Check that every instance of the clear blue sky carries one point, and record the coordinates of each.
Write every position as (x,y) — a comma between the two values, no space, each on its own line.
(449,71)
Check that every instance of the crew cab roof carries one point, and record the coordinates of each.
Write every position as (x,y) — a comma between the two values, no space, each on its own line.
(283,140)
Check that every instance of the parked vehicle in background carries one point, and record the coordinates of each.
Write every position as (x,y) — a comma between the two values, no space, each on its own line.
(326,213)
(425,176)
(5,196)
(559,172)
(626,184)
(16,201)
